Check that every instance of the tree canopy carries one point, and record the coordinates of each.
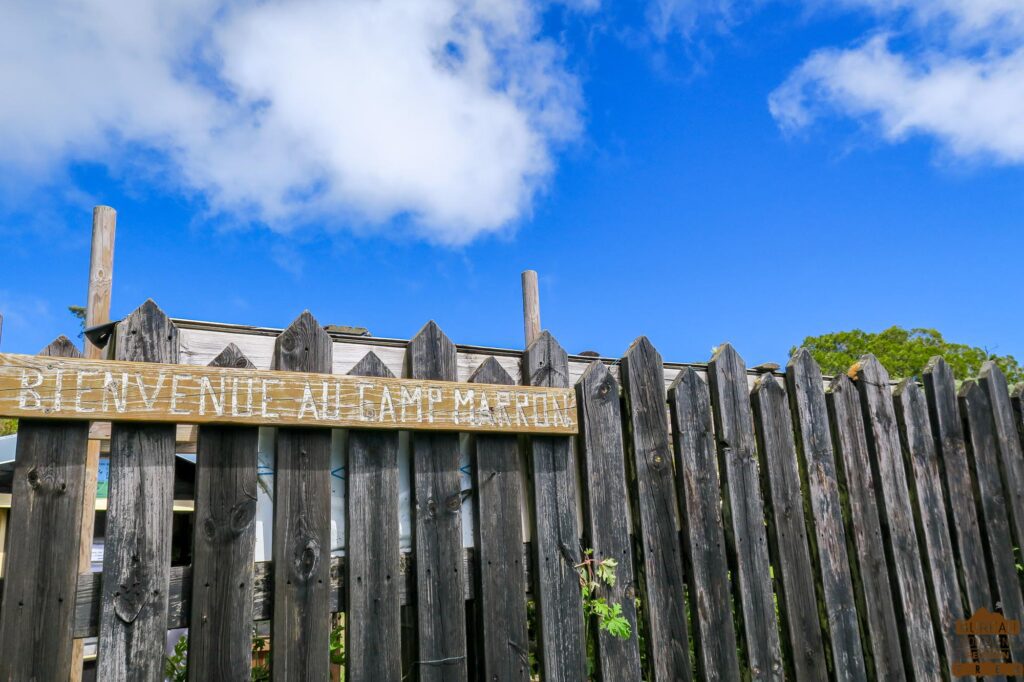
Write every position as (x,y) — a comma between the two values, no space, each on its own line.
(8,426)
(904,352)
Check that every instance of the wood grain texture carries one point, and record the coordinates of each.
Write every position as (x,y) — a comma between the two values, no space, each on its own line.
(787,531)
(88,593)
(223,542)
(605,506)
(951,450)
(816,459)
(437,495)
(930,514)
(556,535)
(744,512)
(983,454)
(44,526)
(301,626)
(901,544)
(531,306)
(1011,458)
(870,571)
(160,393)
(705,559)
(500,606)
(137,550)
(373,618)
(655,510)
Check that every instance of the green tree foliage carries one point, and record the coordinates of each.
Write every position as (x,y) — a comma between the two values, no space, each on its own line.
(904,352)
(8,426)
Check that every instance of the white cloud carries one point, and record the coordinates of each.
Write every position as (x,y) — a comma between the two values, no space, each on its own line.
(948,69)
(447,112)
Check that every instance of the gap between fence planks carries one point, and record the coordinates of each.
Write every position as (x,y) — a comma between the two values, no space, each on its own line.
(137,550)
(500,606)
(655,509)
(223,540)
(36,628)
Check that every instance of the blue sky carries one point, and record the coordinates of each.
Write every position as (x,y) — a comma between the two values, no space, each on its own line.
(698,171)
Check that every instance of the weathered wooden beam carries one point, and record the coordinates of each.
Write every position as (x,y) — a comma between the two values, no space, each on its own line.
(137,556)
(605,498)
(301,625)
(500,606)
(556,533)
(655,509)
(223,540)
(787,534)
(828,541)
(743,508)
(45,523)
(531,306)
(706,564)
(124,392)
(373,623)
(898,532)
(437,493)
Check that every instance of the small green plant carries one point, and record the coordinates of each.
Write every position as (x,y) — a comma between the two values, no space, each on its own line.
(8,426)
(593,575)
(176,665)
(338,644)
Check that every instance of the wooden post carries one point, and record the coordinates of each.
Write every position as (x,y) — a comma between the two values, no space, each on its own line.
(97,311)
(531,306)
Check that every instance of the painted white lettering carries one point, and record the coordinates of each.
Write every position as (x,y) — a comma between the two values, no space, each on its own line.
(522,400)
(266,399)
(464,401)
(502,404)
(328,410)
(307,403)
(81,391)
(149,401)
(540,410)
(433,398)
(216,401)
(58,391)
(365,408)
(28,392)
(235,411)
(414,398)
(118,390)
(387,405)
(483,411)
(176,396)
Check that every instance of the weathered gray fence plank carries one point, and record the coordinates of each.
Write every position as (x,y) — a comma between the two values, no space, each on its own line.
(926,489)
(500,606)
(655,509)
(1011,459)
(703,535)
(798,606)
(948,432)
(817,461)
(137,552)
(556,535)
(223,541)
(438,526)
(983,453)
(744,512)
(902,551)
(870,572)
(373,618)
(46,515)
(605,506)
(301,625)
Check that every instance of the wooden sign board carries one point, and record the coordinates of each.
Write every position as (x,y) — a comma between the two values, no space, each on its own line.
(40,387)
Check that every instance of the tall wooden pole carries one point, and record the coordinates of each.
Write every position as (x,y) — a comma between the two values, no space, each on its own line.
(531,306)
(97,311)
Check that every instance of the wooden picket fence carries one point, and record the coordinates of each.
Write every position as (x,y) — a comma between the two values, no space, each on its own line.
(791,530)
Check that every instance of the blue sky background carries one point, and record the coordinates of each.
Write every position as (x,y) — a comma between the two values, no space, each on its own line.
(682,209)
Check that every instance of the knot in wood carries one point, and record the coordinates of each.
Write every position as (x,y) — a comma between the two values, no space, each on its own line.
(454,502)
(33,478)
(131,597)
(306,557)
(242,516)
